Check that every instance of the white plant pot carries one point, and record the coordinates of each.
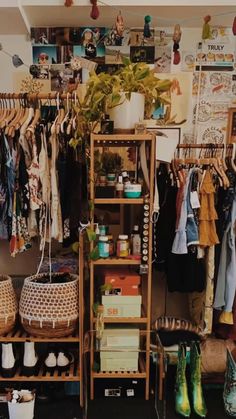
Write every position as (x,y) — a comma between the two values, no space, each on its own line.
(129,113)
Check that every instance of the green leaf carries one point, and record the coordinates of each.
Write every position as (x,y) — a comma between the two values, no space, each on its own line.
(126,61)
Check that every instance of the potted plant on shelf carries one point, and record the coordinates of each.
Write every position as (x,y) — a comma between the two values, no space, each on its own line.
(112,165)
(133,92)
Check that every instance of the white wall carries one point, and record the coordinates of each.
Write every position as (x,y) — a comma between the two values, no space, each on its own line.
(13,44)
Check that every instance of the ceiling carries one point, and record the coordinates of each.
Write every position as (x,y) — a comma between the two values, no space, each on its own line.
(15,20)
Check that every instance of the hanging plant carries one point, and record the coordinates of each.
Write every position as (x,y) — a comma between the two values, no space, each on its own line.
(68,3)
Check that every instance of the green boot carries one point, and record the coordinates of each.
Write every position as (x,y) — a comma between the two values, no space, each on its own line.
(196,385)
(182,405)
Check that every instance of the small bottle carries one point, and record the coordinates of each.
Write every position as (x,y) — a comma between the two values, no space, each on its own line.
(107,125)
(136,241)
(103,247)
(122,249)
(126,178)
(111,245)
(120,187)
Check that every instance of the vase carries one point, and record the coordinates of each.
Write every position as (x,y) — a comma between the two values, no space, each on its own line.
(129,113)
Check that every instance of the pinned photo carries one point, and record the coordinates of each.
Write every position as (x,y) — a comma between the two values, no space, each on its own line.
(162,63)
(43,36)
(142,54)
(113,38)
(67,36)
(115,55)
(45,55)
(90,52)
(137,37)
(62,77)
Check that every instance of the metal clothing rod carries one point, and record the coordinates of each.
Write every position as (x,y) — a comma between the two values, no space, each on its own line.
(42,95)
(204,145)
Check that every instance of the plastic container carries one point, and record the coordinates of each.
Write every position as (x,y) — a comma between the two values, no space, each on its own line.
(21,410)
(123,247)
(103,247)
(132,190)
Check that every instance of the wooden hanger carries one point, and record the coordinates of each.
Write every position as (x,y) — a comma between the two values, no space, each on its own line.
(9,117)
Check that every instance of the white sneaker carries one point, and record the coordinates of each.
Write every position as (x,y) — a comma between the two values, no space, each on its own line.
(51,361)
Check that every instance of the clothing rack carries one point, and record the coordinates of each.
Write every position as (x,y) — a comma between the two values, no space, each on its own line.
(41,95)
(204,145)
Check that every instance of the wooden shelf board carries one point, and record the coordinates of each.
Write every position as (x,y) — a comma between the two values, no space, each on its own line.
(122,137)
(124,320)
(119,374)
(124,374)
(116,261)
(73,374)
(19,335)
(110,201)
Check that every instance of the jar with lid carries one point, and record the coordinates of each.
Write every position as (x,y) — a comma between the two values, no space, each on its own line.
(103,247)
(136,241)
(123,247)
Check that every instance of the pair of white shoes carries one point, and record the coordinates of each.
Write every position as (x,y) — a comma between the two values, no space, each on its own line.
(60,360)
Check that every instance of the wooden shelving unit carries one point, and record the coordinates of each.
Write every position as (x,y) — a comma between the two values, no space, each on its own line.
(75,370)
(123,140)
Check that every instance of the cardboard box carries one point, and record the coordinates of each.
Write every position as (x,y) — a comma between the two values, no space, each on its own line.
(120,339)
(122,306)
(123,282)
(119,361)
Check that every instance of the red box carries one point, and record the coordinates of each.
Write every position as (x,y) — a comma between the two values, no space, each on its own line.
(123,282)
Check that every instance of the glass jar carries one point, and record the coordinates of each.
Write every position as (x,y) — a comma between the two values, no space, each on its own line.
(103,247)
(122,249)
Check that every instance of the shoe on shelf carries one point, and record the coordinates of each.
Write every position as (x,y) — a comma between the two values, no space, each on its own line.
(64,360)
(51,361)
(30,359)
(8,365)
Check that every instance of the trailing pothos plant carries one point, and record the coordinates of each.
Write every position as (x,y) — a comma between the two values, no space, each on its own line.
(105,91)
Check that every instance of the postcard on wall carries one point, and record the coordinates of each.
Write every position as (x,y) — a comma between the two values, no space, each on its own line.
(115,55)
(215,83)
(137,38)
(162,62)
(211,110)
(90,52)
(142,54)
(212,133)
(215,56)
(63,77)
(93,35)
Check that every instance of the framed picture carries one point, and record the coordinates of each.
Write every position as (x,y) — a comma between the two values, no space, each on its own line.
(231,128)
(167,139)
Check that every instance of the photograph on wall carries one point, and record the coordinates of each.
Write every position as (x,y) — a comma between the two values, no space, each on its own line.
(93,35)
(62,76)
(43,36)
(91,52)
(142,54)
(115,55)
(137,38)
(188,60)
(45,55)
(163,37)
(107,68)
(162,62)
(67,36)
(112,38)
(43,72)
(65,53)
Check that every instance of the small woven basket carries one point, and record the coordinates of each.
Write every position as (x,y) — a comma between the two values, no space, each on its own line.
(50,309)
(8,305)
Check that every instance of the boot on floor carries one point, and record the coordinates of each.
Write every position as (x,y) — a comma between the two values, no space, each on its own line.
(199,405)
(8,361)
(30,359)
(229,394)
(182,405)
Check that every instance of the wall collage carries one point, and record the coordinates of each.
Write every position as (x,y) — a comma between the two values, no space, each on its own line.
(208,70)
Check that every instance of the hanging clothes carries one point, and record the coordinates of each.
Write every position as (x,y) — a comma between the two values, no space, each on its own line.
(226,279)
(207,214)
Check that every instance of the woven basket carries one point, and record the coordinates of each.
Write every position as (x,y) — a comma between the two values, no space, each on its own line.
(50,309)
(8,305)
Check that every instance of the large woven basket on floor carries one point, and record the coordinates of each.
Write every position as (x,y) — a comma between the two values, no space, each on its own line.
(8,305)
(50,309)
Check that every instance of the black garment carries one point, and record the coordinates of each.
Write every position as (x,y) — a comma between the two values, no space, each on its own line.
(186,273)
(164,229)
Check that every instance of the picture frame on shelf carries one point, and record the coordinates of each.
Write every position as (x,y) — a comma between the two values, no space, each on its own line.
(167,139)
(231,126)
